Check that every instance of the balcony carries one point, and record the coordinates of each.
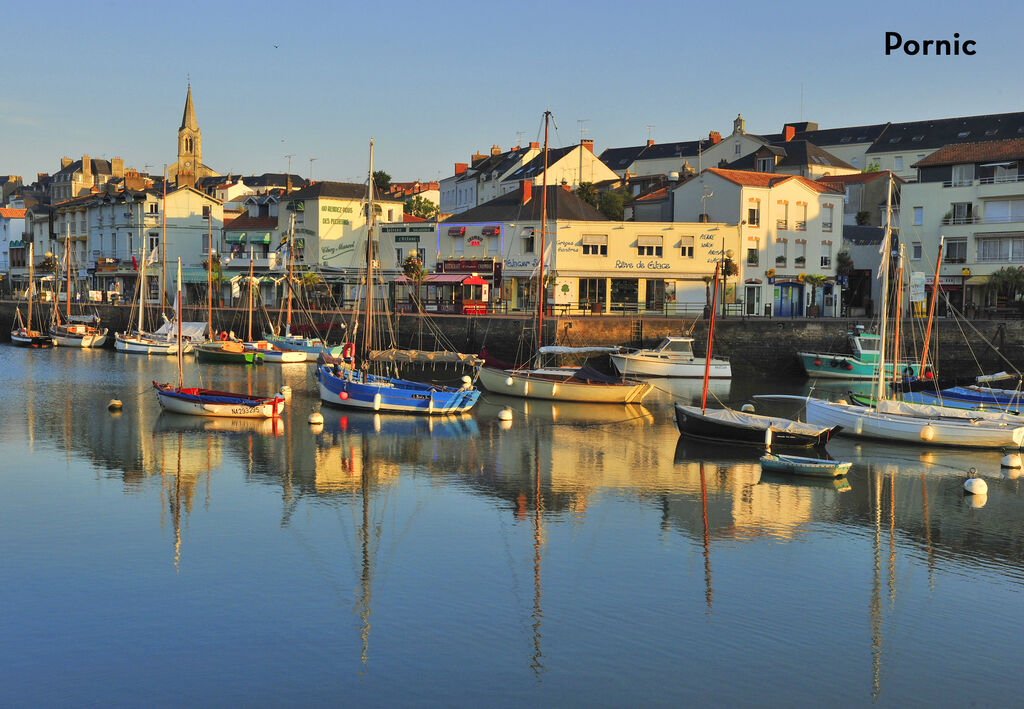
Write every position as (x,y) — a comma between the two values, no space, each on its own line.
(780,261)
(969,219)
(1001,179)
(826,226)
(958,183)
(269,261)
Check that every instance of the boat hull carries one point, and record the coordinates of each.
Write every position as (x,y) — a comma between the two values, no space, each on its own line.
(694,424)
(819,365)
(214,353)
(653,365)
(89,339)
(357,390)
(146,346)
(532,386)
(35,340)
(216,404)
(273,355)
(866,422)
(311,348)
(810,467)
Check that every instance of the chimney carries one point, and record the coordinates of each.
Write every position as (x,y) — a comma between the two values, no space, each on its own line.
(86,167)
(64,162)
(117,167)
(788,132)
(40,176)
(650,142)
(588,144)
(527,191)
(715,137)
(475,158)
(460,168)
(495,150)
(534,146)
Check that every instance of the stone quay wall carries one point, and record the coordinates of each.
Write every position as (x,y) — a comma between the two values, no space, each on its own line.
(755,346)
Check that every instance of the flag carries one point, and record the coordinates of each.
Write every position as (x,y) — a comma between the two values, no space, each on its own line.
(154,255)
(283,250)
(135,264)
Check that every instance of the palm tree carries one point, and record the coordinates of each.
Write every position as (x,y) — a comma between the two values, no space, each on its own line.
(815,281)
(1007,282)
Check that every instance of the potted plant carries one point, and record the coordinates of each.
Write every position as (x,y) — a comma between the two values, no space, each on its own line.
(780,260)
(799,261)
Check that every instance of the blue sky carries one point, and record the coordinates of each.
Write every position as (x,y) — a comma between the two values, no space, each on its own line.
(435,82)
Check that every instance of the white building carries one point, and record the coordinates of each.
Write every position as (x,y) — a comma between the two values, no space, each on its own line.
(12,227)
(790,227)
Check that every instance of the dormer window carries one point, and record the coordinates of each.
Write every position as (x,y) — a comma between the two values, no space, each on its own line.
(766,164)
(896,139)
(917,138)
(963,134)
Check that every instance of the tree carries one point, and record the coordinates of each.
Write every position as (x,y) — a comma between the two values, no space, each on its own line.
(1007,282)
(216,278)
(413,269)
(611,204)
(588,193)
(815,281)
(863,217)
(421,207)
(872,167)
(381,180)
(844,263)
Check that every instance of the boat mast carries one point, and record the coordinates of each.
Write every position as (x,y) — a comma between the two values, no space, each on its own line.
(209,290)
(249,337)
(886,253)
(291,262)
(30,284)
(67,257)
(899,318)
(711,338)
(543,233)
(142,287)
(368,323)
(163,242)
(931,309)
(177,316)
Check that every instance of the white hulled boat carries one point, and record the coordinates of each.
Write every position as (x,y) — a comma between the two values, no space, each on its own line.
(673,357)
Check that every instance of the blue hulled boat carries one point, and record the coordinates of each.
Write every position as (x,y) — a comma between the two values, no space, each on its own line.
(344,386)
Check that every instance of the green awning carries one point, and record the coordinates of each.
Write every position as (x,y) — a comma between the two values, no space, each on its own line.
(16,244)
(193,275)
(235,238)
(257,239)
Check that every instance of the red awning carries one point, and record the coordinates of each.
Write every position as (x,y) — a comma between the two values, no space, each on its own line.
(446,278)
(474,281)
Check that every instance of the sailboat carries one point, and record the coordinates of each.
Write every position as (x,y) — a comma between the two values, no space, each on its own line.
(223,350)
(311,347)
(23,335)
(210,402)
(358,388)
(139,341)
(264,349)
(909,422)
(75,331)
(555,383)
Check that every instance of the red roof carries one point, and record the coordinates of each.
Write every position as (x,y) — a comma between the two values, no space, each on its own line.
(748,178)
(11,213)
(247,222)
(1009,149)
(660,193)
(412,218)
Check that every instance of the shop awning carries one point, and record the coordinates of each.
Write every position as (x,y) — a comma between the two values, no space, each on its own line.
(193,275)
(17,244)
(238,238)
(648,241)
(260,238)
(595,239)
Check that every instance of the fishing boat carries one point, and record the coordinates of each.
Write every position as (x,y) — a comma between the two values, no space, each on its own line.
(211,402)
(139,341)
(673,357)
(310,347)
(862,364)
(343,385)
(222,350)
(729,426)
(262,348)
(558,383)
(75,330)
(23,335)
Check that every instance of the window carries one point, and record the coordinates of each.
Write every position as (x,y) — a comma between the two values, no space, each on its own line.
(206,211)
(398,256)
(154,242)
(956,251)
(595,244)
(898,162)
(963,175)
(826,255)
(154,208)
(801,218)
(687,247)
(649,251)
(826,218)
(738,148)
(460,245)
(494,245)
(648,246)
(800,254)
(780,253)
(783,221)
(1006,248)
(753,257)
(754,215)
(765,164)
(1004,210)
(592,291)
(915,251)
(918,216)
(528,241)
(961,213)
(206,244)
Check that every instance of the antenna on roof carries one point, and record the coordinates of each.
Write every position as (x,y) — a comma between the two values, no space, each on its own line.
(649,128)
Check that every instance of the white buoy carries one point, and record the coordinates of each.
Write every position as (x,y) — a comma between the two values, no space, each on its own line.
(975,485)
(376,401)
(316,418)
(509,381)
(505,414)
(316,427)
(505,425)
(115,405)
(927,432)
(467,383)
(747,408)
(1011,461)
(976,501)
(286,391)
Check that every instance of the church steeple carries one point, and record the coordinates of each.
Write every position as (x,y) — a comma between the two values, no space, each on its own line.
(190,145)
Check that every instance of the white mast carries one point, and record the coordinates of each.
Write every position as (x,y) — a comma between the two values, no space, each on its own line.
(886,253)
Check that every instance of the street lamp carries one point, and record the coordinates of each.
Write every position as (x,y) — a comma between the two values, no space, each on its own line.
(726,262)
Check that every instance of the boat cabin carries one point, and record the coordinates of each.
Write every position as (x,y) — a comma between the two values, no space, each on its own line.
(675,346)
(865,346)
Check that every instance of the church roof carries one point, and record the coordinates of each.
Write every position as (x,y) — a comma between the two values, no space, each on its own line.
(188,117)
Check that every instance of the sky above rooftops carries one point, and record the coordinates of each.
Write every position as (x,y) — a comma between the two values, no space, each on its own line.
(435,82)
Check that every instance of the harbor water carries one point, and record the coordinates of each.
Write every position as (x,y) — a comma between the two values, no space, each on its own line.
(577,555)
